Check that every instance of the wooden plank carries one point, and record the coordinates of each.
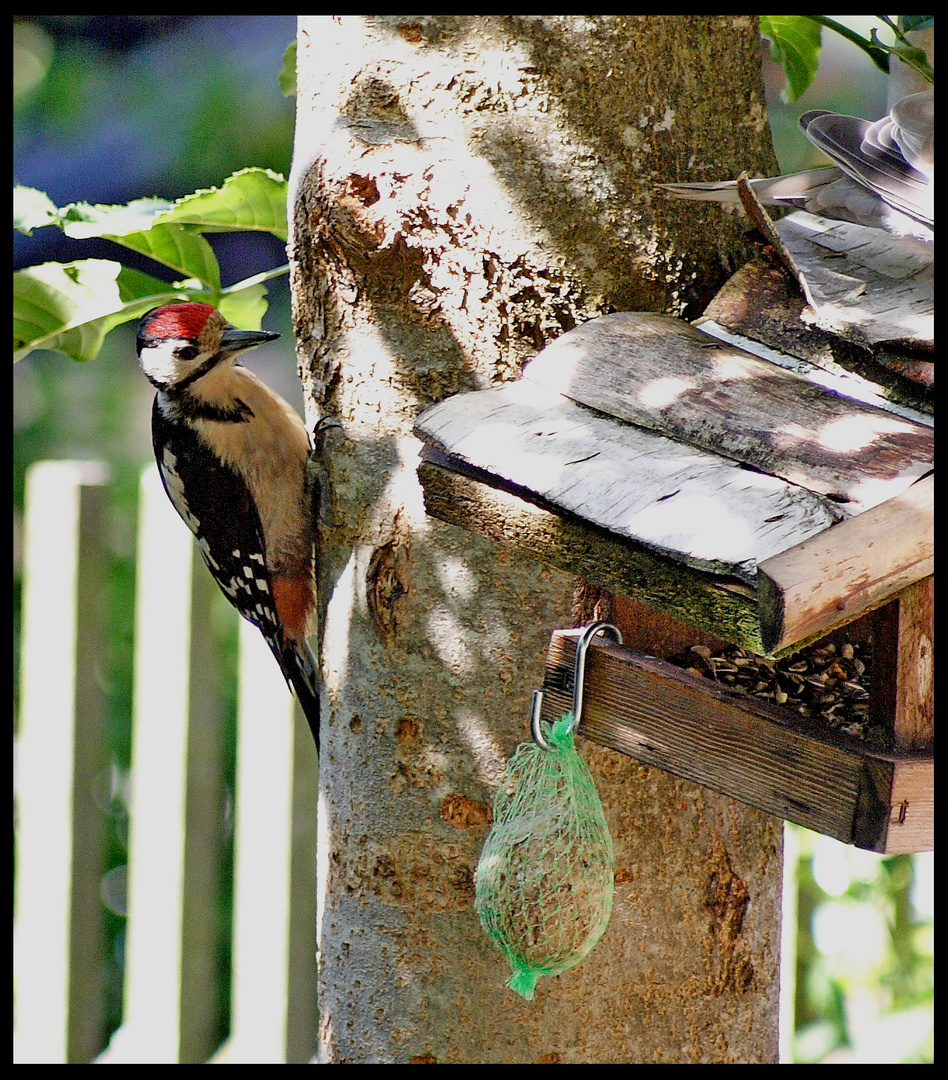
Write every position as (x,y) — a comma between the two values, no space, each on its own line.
(911,825)
(60,946)
(861,283)
(744,748)
(697,507)
(173,946)
(273,987)
(693,506)
(665,375)
(722,607)
(903,689)
(458,494)
(857,565)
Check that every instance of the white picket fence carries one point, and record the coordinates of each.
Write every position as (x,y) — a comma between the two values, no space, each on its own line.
(178,811)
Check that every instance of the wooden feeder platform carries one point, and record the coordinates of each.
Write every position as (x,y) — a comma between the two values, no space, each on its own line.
(748,502)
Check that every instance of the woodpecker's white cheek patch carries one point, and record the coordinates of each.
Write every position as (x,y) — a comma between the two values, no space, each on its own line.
(160,364)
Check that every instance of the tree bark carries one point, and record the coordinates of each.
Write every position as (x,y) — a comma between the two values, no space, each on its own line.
(466,189)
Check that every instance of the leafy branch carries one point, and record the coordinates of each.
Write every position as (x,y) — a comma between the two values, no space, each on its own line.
(71,307)
(796,41)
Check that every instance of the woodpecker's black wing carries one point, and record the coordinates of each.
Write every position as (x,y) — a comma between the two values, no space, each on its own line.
(214,502)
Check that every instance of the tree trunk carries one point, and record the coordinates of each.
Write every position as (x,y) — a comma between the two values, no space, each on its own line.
(466,189)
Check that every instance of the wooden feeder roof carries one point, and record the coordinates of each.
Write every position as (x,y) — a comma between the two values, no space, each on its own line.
(664,463)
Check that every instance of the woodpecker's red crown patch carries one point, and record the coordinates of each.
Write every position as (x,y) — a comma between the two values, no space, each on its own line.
(184,321)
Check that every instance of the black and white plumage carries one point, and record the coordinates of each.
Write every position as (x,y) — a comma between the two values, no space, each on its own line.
(233,457)
(882,177)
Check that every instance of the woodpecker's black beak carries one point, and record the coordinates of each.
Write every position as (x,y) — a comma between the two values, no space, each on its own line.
(235,341)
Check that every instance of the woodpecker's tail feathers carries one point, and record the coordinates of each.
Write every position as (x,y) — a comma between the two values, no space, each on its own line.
(301,672)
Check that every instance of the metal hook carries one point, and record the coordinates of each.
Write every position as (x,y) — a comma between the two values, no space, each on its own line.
(579,681)
(579,676)
(536,708)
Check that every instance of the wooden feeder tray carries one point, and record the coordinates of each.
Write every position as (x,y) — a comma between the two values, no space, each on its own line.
(745,500)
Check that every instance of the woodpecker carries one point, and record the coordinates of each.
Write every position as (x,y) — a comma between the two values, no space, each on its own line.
(883,172)
(233,457)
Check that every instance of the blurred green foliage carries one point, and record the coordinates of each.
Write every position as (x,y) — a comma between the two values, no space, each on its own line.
(181,101)
(864,954)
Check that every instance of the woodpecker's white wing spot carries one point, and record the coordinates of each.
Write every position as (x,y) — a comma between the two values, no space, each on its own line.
(175,488)
(206,552)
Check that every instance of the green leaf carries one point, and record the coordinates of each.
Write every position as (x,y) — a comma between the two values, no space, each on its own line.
(795,45)
(288,71)
(70,307)
(246,307)
(133,226)
(252,199)
(877,51)
(178,248)
(82,221)
(32,209)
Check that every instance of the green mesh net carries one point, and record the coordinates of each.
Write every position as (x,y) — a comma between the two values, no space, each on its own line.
(545,879)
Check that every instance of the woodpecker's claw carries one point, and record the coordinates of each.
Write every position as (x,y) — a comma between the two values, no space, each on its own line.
(327,434)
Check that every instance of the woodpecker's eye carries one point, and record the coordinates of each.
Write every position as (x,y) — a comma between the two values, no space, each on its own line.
(187,352)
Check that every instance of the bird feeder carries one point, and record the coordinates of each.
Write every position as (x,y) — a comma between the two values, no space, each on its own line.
(759,508)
